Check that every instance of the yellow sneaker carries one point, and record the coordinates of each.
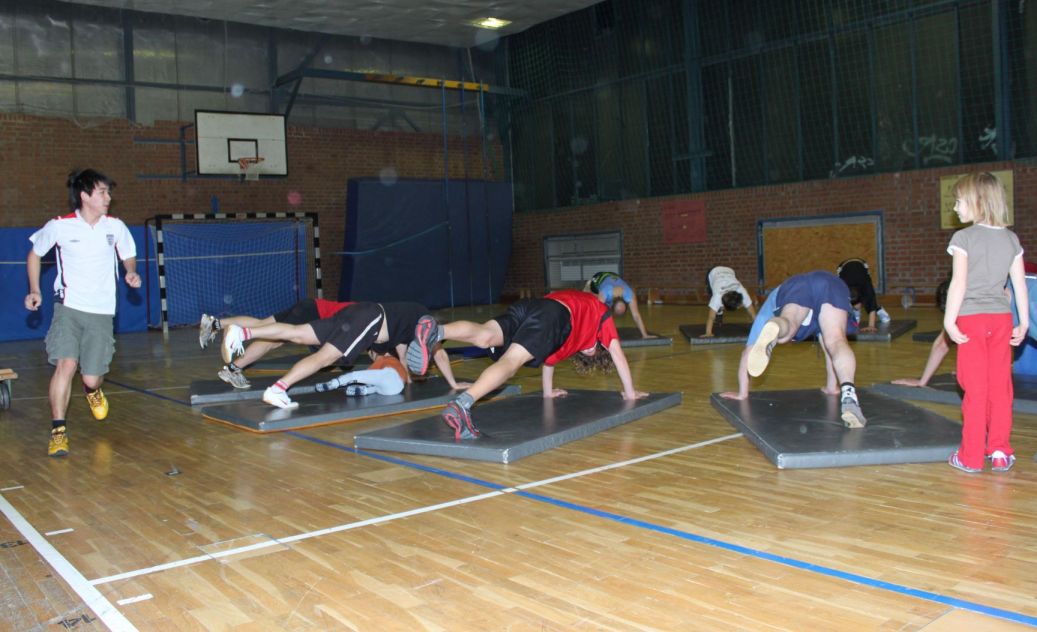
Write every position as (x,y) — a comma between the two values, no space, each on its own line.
(98,404)
(58,445)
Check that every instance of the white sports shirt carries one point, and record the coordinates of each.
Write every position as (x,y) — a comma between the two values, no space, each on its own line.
(86,258)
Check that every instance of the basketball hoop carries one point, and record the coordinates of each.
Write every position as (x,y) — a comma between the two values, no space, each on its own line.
(250,167)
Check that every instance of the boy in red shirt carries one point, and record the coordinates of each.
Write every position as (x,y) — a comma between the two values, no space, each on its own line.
(533,332)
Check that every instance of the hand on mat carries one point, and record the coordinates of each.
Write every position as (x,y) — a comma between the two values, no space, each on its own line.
(637,395)
(706,336)
(555,392)
(647,336)
(865,330)
(909,381)
(733,395)
(460,386)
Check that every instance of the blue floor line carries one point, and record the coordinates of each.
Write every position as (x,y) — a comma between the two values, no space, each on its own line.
(720,544)
(147,392)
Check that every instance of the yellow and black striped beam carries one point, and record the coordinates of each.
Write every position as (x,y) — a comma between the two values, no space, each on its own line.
(400,80)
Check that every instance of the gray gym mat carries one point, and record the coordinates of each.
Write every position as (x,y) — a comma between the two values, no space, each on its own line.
(886,331)
(943,389)
(217,391)
(925,336)
(517,427)
(317,409)
(631,337)
(802,429)
(725,334)
(281,364)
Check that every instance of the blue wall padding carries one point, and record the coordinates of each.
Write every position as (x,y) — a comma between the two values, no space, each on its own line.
(407,240)
(18,323)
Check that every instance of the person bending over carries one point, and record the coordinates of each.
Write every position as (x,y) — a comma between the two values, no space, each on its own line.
(813,303)
(857,277)
(725,293)
(617,295)
(538,332)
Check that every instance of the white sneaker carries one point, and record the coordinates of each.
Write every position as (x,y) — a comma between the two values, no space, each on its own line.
(234,378)
(850,411)
(206,331)
(857,316)
(883,316)
(279,398)
(233,343)
(760,352)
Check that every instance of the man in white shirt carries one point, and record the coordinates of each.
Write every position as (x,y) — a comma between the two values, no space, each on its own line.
(88,245)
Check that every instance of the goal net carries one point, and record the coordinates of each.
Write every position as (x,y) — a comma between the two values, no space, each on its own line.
(252,264)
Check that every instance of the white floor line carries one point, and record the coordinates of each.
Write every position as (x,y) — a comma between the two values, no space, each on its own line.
(58,532)
(397,516)
(120,391)
(138,598)
(92,597)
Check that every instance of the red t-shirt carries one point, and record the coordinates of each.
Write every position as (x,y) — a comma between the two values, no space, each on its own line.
(327,309)
(588,326)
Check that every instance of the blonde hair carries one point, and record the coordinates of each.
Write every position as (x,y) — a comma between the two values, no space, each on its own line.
(985,194)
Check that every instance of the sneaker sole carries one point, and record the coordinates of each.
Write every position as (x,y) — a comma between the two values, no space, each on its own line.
(417,351)
(850,420)
(460,427)
(278,404)
(759,357)
(59,454)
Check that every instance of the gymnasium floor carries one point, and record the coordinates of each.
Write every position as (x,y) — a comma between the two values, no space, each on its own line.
(672,522)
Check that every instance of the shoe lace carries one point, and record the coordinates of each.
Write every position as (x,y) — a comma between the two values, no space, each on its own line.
(94,398)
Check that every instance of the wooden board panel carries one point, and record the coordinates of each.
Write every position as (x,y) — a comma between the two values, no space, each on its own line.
(791,248)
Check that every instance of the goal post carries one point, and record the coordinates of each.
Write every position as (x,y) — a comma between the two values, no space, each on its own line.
(224,264)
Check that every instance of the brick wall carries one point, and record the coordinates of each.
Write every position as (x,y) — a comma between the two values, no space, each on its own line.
(37,154)
(915,246)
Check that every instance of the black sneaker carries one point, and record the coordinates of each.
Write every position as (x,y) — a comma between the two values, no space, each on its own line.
(460,419)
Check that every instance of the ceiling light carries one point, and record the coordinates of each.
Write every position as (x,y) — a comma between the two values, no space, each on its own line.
(490,23)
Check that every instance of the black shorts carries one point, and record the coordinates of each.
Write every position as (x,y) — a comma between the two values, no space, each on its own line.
(540,325)
(305,311)
(352,330)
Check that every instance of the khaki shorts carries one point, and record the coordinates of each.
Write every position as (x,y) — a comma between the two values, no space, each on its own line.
(81,336)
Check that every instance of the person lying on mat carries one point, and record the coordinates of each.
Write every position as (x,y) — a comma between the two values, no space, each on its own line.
(306,310)
(726,292)
(386,376)
(539,332)
(617,294)
(813,303)
(383,327)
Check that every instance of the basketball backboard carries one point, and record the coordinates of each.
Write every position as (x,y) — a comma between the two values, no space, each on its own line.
(224,138)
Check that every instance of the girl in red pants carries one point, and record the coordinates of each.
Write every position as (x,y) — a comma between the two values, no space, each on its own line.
(979,319)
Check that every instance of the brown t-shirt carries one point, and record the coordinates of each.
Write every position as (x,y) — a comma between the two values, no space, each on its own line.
(991,251)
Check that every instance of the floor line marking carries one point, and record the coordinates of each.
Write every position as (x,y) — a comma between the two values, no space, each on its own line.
(92,597)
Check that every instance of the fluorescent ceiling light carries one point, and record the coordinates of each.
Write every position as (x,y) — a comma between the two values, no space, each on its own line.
(490,23)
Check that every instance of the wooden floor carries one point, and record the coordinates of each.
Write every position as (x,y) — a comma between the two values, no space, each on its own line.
(673,522)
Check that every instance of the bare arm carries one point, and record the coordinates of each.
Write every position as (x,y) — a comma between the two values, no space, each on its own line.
(956,295)
(1022,300)
(623,369)
(752,311)
(547,374)
(132,278)
(32,266)
(636,314)
(709,323)
(442,360)
(941,346)
(743,378)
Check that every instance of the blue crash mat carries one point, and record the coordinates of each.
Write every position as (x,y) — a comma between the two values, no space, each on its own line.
(802,429)
(517,427)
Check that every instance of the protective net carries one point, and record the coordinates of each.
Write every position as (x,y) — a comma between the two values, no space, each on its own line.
(632,98)
(235,267)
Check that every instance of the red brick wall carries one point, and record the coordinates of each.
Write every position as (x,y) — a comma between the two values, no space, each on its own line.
(38,153)
(915,246)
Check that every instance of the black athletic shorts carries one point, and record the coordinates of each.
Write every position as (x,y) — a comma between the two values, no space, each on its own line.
(352,330)
(540,325)
(305,311)
(400,321)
